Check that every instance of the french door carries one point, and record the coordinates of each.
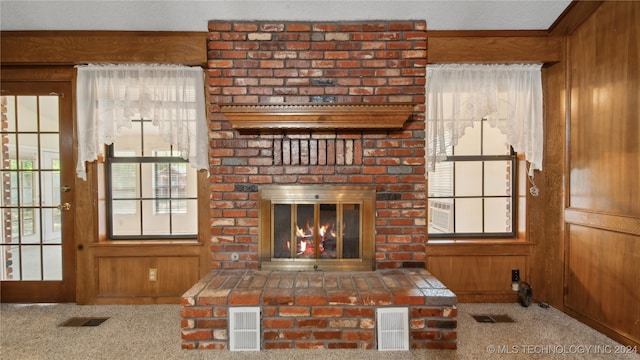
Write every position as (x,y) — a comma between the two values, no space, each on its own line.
(37,255)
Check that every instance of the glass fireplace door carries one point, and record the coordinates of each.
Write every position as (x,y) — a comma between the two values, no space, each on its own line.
(317,228)
(316,231)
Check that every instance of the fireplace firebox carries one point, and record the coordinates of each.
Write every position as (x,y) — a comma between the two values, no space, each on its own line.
(330,228)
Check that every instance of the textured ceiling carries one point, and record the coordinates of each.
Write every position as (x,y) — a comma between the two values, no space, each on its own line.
(164,15)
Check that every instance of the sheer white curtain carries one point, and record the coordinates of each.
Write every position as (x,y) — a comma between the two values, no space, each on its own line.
(172,96)
(508,96)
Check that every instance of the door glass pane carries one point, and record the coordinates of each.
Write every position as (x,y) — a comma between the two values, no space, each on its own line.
(9,104)
(10,256)
(27,113)
(49,110)
(52,262)
(52,226)
(7,271)
(31,262)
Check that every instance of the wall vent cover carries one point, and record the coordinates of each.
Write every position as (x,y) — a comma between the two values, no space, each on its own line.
(393,329)
(244,329)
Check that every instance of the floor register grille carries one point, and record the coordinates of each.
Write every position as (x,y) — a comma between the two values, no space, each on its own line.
(491,319)
(84,321)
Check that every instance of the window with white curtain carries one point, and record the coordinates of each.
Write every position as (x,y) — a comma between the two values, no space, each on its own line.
(478,117)
(151,121)
(110,97)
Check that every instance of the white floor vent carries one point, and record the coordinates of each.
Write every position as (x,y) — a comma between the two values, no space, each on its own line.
(244,329)
(393,328)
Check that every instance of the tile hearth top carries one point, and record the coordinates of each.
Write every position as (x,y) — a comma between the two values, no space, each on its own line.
(379,288)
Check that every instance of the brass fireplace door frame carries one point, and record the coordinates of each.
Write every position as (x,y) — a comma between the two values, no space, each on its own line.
(317,194)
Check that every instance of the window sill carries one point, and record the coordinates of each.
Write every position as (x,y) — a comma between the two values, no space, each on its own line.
(478,247)
(485,241)
(107,243)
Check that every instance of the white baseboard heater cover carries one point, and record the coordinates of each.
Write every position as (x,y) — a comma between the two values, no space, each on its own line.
(244,329)
(393,329)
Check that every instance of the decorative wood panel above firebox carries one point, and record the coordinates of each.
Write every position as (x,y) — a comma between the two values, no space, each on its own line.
(317,116)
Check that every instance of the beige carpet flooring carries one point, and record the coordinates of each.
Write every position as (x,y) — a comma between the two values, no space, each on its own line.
(153,332)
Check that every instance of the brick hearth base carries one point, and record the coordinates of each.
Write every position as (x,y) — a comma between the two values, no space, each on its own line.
(331,310)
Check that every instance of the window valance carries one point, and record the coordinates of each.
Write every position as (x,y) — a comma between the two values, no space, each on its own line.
(109,97)
(508,96)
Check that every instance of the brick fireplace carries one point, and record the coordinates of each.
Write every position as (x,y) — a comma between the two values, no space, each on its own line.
(273,63)
(324,105)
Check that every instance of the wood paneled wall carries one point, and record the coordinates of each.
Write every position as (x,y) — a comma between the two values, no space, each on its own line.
(602,236)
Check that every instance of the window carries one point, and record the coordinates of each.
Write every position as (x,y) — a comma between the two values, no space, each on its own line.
(151,189)
(472,193)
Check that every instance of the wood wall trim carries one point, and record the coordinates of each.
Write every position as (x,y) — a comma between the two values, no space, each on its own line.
(471,48)
(81,47)
(624,224)
(572,17)
(603,328)
(478,249)
(41,73)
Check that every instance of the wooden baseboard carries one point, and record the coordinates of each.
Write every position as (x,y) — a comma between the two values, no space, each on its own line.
(487,298)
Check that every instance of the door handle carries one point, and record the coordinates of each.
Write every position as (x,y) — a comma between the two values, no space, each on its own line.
(66,206)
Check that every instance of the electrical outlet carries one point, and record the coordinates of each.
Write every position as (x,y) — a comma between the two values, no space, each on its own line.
(153,274)
(515,275)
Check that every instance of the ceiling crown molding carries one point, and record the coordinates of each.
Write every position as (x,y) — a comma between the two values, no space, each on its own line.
(317,116)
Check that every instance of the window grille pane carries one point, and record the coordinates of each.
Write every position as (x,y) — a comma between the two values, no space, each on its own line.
(468,218)
(124,185)
(497,178)
(153,144)
(129,141)
(186,222)
(127,220)
(470,143)
(468,178)
(495,141)
(497,215)
(441,180)
(152,222)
